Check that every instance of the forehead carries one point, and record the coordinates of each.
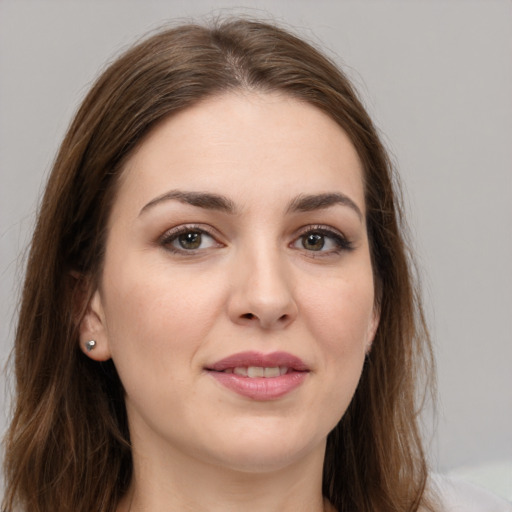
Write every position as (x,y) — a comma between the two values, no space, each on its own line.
(251,145)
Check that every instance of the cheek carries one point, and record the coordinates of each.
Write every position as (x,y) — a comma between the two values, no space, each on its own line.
(156,319)
(340,313)
(339,316)
(157,322)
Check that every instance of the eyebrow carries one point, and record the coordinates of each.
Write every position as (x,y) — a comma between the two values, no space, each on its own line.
(209,201)
(308,203)
(199,199)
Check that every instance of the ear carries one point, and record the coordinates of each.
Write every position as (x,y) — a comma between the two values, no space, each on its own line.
(93,328)
(373,325)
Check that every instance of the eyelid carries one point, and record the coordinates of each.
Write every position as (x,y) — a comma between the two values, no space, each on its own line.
(342,242)
(171,234)
(340,239)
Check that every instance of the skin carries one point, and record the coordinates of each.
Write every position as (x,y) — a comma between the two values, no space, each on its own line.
(164,312)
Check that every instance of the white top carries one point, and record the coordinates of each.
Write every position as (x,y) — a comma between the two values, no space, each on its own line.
(458,495)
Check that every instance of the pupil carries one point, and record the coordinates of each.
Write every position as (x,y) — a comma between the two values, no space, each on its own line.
(190,240)
(313,242)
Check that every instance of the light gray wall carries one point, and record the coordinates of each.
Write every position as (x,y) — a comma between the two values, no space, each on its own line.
(436,75)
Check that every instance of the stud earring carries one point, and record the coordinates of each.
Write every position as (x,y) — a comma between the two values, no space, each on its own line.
(90,345)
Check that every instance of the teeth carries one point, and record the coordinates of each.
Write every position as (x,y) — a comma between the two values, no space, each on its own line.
(258,371)
(255,371)
(272,372)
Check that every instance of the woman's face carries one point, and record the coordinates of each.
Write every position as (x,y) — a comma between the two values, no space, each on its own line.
(237,298)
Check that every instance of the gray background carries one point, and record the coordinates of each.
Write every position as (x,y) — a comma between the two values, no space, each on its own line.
(437,78)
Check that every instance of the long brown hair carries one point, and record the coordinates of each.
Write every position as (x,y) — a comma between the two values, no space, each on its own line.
(68,447)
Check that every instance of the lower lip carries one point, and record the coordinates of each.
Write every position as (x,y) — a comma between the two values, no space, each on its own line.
(260,388)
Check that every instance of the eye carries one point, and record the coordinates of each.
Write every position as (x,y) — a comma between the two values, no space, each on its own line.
(322,239)
(313,241)
(188,239)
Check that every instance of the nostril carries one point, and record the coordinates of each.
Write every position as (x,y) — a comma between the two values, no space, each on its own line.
(283,320)
(267,321)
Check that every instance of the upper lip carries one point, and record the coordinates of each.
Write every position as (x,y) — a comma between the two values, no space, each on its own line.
(272,360)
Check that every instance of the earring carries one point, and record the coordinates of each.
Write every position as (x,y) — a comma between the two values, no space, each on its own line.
(90,345)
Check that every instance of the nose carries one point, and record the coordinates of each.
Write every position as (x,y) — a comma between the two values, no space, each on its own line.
(262,292)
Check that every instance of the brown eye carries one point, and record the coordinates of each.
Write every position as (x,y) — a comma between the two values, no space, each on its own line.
(190,241)
(313,242)
(323,240)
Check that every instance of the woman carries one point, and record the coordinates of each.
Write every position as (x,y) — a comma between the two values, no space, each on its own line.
(218,310)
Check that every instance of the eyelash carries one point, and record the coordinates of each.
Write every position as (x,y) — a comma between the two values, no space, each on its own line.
(341,242)
(172,235)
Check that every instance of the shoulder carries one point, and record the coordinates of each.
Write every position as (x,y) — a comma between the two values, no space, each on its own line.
(457,495)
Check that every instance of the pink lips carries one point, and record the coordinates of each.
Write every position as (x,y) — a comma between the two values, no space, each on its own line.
(260,388)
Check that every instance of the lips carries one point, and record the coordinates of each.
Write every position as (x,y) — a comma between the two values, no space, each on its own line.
(255,359)
(260,376)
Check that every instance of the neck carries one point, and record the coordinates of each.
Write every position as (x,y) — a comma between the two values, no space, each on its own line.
(174,482)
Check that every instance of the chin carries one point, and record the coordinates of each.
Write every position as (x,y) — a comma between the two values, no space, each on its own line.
(263,451)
